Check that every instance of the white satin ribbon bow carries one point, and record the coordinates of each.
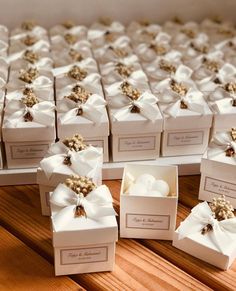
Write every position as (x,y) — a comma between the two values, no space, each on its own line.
(42,113)
(97,204)
(223,232)
(93,109)
(88,64)
(220,143)
(85,162)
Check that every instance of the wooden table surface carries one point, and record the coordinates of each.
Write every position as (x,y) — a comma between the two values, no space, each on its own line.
(26,253)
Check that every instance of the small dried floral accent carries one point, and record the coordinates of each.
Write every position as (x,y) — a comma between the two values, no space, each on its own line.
(110,36)
(189,32)
(158,49)
(144,22)
(70,38)
(233,133)
(177,20)
(150,34)
(29,100)
(29,40)
(178,88)
(28,117)
(134,109)
(75,143)
(203,49)
(31,57)
(77,73)
(68,24)
(28,25)
(166,66)
(217,81)
(226,31)
(28,76)
(221,210)
(80,185)
(183,105)
(75,55)
(230,87)
(128,90)
(123,70)
(80,96)
(211,65)
(119,52)
(107,21)
(28,91)
(217,19)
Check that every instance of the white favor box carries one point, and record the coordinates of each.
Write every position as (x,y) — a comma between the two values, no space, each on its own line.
(186,134)
(26,146)
(86,247)
(218,177)
(135,137)
(224,121)
(93,133)
(48,185)
(149,217)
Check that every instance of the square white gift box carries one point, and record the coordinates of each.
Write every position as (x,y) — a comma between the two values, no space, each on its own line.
(221,93)
(84,230)
(146,215)
(75,72)
(87,112)
(65,56)
(128,69)
(136,123)
(28,130)
(101,33)
(30,58)
(187,117)
(63,161)
(218,168)
(115,51)
(203,236)
(69,27)
(40,81)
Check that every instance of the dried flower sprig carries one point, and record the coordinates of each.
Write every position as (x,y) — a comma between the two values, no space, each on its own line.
(158,49)
(28,25)
(129,91)
(123,70)
(68,24)
(221,210)
(80,185)
(29,40)
(75,143)
(166,66)
(28,76)
(31,57)
(77,73)
(75,55)
(70,38)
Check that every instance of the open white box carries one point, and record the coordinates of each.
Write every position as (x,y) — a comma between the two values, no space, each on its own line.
(149,217)
(218,177)
(186,134)
(135,137)
(26,146)
(93,134)
(85,246)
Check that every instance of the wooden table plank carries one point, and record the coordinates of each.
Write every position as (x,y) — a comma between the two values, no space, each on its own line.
(23,269)
(137,267)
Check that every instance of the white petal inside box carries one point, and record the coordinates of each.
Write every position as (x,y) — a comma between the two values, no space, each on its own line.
(187,133)
(84,245)
(134,137)
(148,217)
(217,246)
(218,176)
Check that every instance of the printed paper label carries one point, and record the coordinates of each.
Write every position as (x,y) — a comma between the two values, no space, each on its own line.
(84,255)
(185,138)
(36,151)
(137,143)
(161,222)
(220,187)
(96,143)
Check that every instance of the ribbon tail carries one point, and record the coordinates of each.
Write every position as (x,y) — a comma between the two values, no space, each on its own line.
(173,109)
(51,163)
(62,218)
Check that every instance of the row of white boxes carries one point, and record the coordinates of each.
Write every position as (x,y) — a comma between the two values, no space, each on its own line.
(134,136)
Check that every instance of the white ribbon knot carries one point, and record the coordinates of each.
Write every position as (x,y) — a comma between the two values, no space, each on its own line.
(97,204)
(92,109)
(85,162)
(43,113)
(223,232)
(220,143)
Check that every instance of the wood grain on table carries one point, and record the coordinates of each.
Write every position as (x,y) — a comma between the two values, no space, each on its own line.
(140,264)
